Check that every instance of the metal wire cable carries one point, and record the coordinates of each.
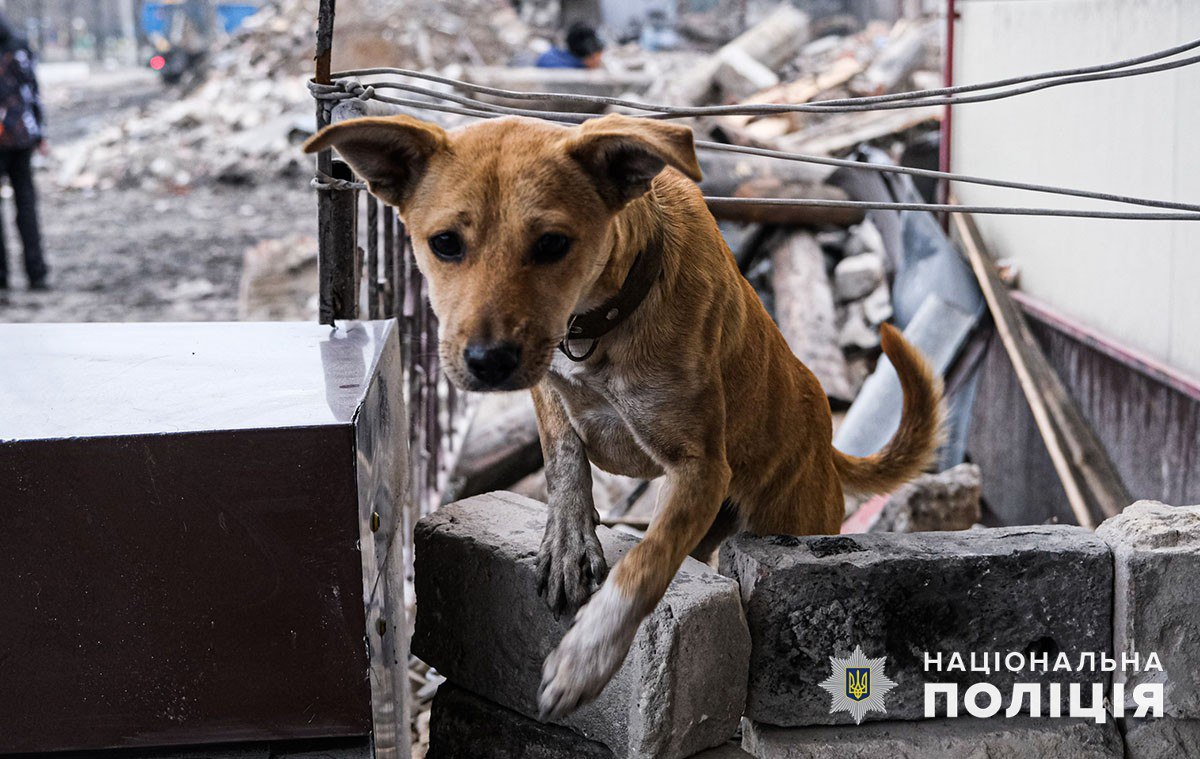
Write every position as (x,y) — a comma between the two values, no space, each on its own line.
(326,182)
(869,205)
(467,106)
(667,112)
(846,163)
(491,110)
(913,99)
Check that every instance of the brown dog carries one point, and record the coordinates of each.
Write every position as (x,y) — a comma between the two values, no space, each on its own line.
(523,227)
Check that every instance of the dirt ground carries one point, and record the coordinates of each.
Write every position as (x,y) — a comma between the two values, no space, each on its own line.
(142,255)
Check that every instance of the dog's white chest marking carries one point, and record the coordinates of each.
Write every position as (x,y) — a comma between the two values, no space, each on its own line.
(590,397)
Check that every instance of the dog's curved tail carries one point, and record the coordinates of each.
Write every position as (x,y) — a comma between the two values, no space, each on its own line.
(912,448)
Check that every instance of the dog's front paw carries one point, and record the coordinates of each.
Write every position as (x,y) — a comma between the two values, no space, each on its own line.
(589,654)
(570,565)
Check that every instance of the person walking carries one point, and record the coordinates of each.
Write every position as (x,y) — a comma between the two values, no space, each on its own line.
(21,132)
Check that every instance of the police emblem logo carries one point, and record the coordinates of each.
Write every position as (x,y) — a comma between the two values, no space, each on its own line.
(857,684)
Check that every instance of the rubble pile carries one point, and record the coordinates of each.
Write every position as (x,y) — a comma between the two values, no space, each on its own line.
(227,130)
(428,34)
(244,122)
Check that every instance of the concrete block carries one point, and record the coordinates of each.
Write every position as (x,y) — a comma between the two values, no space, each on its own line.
(999,738)
(877,306)
(944,501)
(462,724)
(899,595)
(1157,598)
(481,623)
(855,277)
(856,332)
(1165,738)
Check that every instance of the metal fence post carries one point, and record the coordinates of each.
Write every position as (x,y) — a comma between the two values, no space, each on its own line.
(337,258)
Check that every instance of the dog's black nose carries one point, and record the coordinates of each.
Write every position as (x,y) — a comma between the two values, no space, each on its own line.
(494,363)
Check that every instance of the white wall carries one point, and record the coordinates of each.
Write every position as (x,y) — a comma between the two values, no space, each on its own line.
(1135,282)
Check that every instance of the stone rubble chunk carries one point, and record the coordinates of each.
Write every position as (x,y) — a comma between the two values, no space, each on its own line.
(856,332)
(865,239)
(1163,738)
(1157,599)
(877,306)
(481,624)
(944,501)
(1043,589)
(855,277)
(462,724)
(996,738)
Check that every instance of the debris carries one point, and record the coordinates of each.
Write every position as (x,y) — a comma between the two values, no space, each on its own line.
(856,333)
(856,276)
(769,43)
(948,500)
(726,173)
(904,54)
(595,82)
(842,132)
(501,447)
(865,239)
(279,280)
(244,123)
(795,92)
(1093,486)
(877,306)
(804,311)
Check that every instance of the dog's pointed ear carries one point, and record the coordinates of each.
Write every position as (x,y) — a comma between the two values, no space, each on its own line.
(623,154)
(390,153)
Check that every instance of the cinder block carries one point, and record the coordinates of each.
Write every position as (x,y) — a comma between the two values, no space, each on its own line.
(1157,599)
(462,724)
(481,623)
(1165,738)
(999,738)
(1024,589)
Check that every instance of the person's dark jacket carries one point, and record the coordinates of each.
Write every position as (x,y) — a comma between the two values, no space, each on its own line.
(21,119)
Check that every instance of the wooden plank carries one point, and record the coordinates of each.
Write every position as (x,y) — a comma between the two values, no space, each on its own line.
(842,132)
(1093,487)
(805,314)
(796,92)
(785,215)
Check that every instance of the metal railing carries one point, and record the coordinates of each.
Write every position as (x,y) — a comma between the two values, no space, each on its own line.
(366,269)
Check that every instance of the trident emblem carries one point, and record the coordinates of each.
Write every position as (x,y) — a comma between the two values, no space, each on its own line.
(858,682)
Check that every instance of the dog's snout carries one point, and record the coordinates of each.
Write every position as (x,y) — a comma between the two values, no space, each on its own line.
(492,363)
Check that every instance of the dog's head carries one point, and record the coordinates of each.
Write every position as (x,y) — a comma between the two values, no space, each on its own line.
(510,221)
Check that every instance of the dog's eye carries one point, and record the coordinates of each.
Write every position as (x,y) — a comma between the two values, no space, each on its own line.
(447,246)
(550,248)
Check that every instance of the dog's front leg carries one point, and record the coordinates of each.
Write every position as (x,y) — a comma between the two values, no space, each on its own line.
(570,562)
(594,647)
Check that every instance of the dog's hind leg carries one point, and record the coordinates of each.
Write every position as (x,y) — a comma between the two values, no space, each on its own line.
(809,502)
(728,521)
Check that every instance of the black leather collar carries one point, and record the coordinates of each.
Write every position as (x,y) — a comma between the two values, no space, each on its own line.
(595,324)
